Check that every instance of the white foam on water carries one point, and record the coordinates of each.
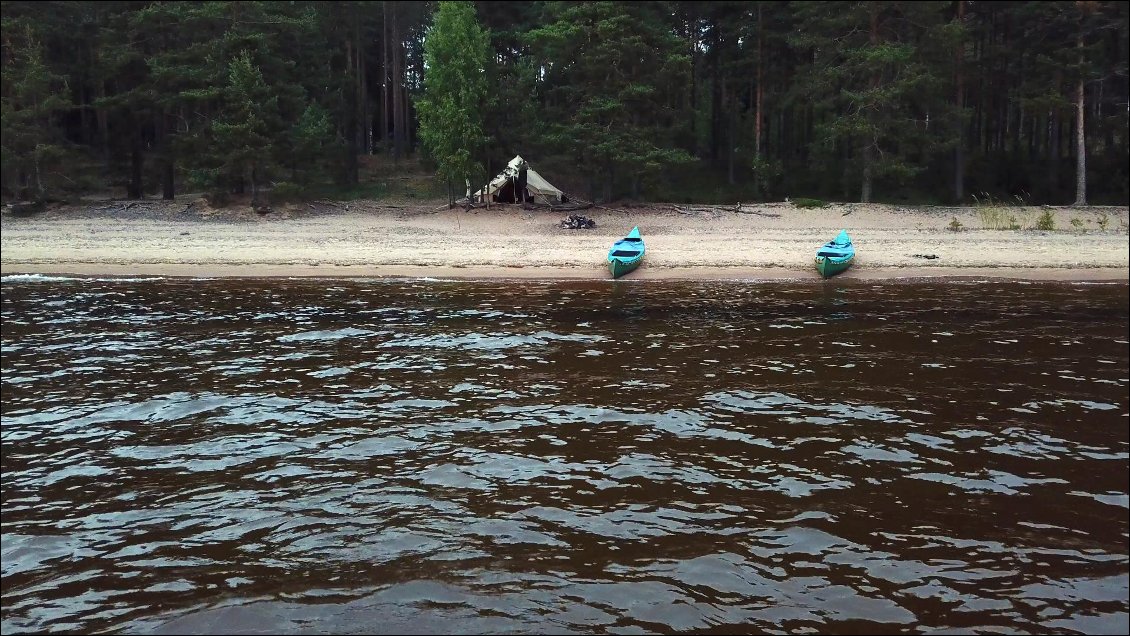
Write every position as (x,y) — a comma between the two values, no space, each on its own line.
(46,278)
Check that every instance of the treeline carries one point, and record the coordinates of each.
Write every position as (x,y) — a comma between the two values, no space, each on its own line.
(888,101)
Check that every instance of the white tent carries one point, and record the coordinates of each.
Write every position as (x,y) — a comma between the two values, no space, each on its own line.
(505,186)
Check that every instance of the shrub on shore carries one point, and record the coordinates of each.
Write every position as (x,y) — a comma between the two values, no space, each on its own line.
(810,203)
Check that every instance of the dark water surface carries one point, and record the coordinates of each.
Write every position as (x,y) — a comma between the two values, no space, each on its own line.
(331,456)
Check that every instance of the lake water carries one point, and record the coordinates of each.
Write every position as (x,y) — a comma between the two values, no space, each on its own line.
(428,456)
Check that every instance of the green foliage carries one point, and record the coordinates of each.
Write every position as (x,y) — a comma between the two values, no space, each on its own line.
(287,192)
(245,123)
(716,100)
(313,142)
(992,218)
(873,87)
(1103,221)
(955,225)
(1076,222)
(1000,214)
(610,69)
(698,183)
(457,53)
(30,98)
(1046,221)
(809,203)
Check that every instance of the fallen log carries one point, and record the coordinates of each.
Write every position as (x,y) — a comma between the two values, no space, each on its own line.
(557,207)
(26,208)
(758,213)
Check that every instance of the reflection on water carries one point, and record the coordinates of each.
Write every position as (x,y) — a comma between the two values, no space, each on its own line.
(568,457)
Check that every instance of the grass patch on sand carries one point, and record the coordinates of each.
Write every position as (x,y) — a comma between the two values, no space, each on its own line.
(1002,214)
(805,203)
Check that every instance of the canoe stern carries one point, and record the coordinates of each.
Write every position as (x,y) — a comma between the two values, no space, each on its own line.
(619,267)
(828,267)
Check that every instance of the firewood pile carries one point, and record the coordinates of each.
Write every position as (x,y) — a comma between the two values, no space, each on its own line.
(578,222)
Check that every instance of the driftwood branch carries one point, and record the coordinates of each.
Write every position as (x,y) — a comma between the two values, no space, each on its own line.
(758,213)
(714,209)
(558,207)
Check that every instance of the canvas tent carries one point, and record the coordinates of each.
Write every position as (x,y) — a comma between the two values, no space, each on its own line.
(519,183)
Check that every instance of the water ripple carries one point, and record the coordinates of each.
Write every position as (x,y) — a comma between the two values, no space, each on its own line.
(430,456)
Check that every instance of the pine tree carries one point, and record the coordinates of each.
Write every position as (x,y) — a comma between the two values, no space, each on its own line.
(457,55)
(244,130)
(32,96)
(614,74)
(868,75)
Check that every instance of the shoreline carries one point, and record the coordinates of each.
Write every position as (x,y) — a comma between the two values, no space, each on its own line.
(369,239)
(259,271)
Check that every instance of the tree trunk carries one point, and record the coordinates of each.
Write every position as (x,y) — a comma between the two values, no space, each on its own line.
(87,123)
(397,86)
(167,192)
(869,140)
(865,195)
(406,104)
(731,138)
(1054,132)
(22,185)
(351,176)
(760,92)
(716,99)
(101,118)
(386,122)
(40,191)
(959,148)
(608,185)
(134,189)
(693,33)
(359,88)
(1080,137)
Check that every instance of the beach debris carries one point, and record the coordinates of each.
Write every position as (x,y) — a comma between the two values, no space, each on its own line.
(578,222)
(926,256)
(25,208)
(740,208)
(568,206)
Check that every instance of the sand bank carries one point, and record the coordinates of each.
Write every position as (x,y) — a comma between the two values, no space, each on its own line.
(374,239)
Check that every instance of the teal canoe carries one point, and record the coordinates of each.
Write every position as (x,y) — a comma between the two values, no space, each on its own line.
(626,254)
(835,256)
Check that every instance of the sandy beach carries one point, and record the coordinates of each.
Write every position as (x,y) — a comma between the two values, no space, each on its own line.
(376,239)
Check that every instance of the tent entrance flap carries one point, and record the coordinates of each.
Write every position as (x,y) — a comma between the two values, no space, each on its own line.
(519,183)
